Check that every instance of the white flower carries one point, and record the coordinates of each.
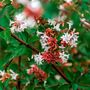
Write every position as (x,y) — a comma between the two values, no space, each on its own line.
(61,7)
(57,27)
(43,41)
(61,18)
(20,16)
(66,37)
(2,73)
(70,39)
(57,77)
(21,23)
(13,75)
(30,22)
(74,39)
(70,23)
(38,58)
(64,57)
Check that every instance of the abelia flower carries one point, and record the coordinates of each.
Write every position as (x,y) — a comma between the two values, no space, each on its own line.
(56,25)
(2,73)
(4,76)
(66,38)
(52,22)
(38,58)
(57,77)
(13,75)
(47,41)
(21,23)
(70,23)
(70,39)
(43,41)
(40,74)
(64,57)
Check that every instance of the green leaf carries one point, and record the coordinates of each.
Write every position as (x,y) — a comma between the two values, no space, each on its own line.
(14,52)
(34,38)
(1,86)
(14,88)
(64,87)
(50,10)
(84,80)
(75,86)
(68,74)
(5,35)
(6,83)
(4,22)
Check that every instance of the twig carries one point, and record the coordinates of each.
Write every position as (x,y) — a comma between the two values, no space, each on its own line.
(19,68)
(59,70)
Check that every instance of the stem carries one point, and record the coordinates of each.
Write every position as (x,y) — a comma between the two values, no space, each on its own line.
(19,68)
(7,65)
(59,70)
(22,42)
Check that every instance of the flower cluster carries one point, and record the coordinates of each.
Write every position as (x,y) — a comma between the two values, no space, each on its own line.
(27,18)
(40,74)
(6,75)
(53,52)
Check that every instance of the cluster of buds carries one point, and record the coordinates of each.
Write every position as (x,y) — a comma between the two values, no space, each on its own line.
(40,74)
(6,75)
